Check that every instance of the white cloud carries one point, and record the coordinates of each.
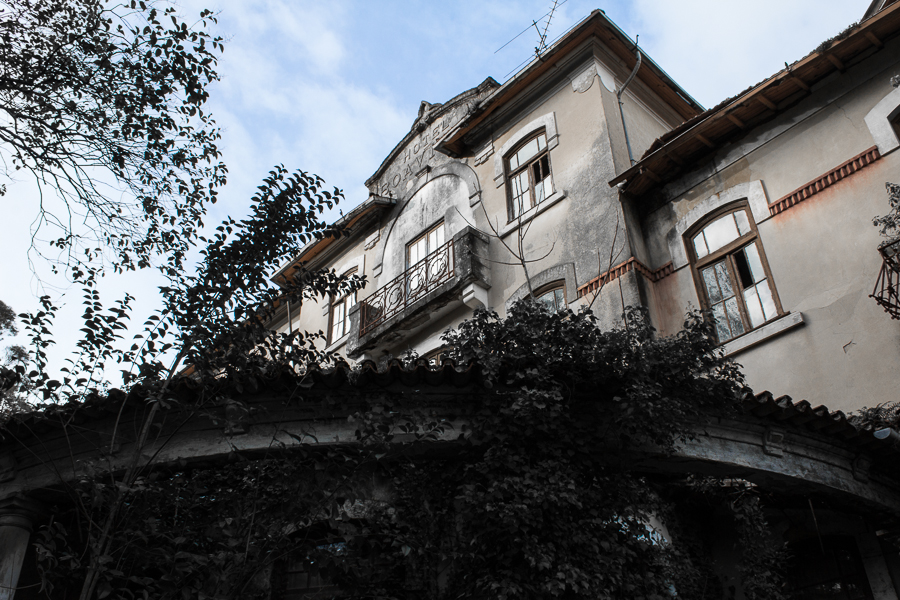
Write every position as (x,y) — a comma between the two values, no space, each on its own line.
(717,48)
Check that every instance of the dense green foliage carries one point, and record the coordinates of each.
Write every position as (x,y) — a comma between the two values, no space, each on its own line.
(544,493)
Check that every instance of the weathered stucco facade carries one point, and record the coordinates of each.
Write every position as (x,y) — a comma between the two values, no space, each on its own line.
(810,164)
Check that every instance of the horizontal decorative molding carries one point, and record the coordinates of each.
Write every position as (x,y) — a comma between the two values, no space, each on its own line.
(632,264)
(828,179)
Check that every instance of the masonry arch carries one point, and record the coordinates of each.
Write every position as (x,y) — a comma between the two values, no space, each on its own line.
(446,194)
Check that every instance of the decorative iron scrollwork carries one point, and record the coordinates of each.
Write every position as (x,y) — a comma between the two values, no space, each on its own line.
(887,287)
(410,286)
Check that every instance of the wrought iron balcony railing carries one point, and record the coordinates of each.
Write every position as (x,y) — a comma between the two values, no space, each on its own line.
(411,285)
(887,287)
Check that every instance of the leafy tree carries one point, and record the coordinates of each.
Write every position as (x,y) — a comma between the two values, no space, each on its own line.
(11,400)
(215,322)
(540,496)
(102,103)
(7,320)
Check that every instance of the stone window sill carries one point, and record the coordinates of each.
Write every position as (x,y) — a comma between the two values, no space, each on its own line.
(764,333)
(532,213)
(338,344)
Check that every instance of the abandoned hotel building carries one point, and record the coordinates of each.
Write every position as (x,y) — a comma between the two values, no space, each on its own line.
(595,166)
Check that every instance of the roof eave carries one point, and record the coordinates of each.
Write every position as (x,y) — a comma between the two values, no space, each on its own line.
(645,167)
(593,26)
(373,204)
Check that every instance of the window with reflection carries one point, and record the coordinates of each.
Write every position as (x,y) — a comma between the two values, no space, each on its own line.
(731,272)
(552,296)
(528,175)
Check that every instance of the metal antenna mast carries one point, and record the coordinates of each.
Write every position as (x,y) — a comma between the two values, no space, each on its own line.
(543,43)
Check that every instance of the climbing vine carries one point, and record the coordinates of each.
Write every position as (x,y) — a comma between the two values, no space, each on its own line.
(536,486)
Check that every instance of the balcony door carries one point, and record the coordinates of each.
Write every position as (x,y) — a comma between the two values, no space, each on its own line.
(421,267)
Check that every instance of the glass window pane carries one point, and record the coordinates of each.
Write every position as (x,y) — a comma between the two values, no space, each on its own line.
(440,235)
(528,150)
(724,279)
(560,301)
(541,142)
(754,309)
(722,331)
(547,300)
(432,241)
(720,232)
(700,245)
(712,286)
(734,316)
(524,198)
(539,195)
(743,223)
(768,302)
(756,267)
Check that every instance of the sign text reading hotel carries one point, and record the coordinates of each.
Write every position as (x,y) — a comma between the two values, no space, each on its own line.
(413,159)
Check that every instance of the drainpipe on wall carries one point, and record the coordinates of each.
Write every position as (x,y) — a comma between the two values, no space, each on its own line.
(619,93)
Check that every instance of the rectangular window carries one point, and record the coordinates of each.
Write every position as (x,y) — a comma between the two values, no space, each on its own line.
(423,266)
(340,313)
(425,244)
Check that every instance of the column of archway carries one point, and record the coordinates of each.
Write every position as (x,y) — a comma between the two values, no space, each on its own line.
(17,518)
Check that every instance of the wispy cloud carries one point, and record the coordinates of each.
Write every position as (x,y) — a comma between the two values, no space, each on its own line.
(716,48)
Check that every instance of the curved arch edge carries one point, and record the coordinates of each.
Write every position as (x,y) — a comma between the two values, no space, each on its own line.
(546,122)
(753,192)
(564,272)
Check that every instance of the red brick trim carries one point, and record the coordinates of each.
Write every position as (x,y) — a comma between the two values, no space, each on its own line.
(632,264)
(831,177)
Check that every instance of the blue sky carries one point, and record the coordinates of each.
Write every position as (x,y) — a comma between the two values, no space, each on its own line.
(331,86)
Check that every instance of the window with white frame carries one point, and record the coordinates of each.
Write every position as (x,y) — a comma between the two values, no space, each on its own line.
(731,272)
(425,244)
(340,313)
(528,174)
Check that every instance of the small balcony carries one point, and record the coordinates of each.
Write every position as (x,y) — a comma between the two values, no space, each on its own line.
(451,276)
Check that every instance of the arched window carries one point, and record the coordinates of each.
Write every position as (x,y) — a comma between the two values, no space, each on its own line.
(731,271)
(528,174)
(553,296)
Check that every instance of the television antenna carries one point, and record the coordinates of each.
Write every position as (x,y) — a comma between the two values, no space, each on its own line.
(542,39)
(534,23)
(543,43)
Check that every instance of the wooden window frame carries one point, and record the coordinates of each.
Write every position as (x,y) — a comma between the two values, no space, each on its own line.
(347,301)
(511,174)
(434,357)
(552,287)
(727,252)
